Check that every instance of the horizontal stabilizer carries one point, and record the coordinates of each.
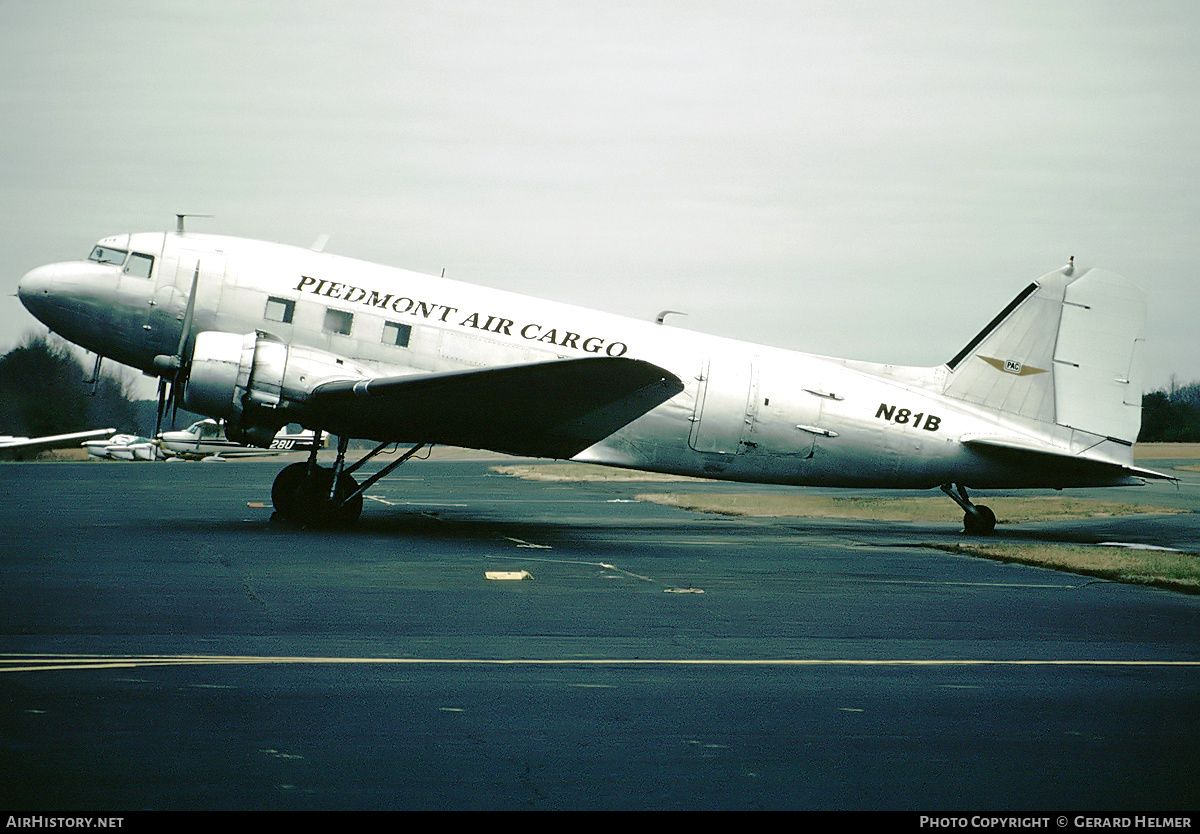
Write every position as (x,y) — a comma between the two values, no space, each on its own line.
(1043,458)
(545,409)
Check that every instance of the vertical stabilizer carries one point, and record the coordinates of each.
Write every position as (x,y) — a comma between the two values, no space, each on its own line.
(1063,352)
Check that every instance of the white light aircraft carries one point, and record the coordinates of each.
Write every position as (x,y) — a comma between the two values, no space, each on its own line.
(122,447)
(206,439)
(125,447)
(98,448)
(261,334)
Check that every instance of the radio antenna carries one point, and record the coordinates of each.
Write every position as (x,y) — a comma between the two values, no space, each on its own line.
(179,221)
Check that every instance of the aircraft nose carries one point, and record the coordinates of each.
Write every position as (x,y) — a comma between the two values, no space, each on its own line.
(36,288)
(75,300)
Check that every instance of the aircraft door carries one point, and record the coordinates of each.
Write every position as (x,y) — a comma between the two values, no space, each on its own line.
(722,419)
(787,412)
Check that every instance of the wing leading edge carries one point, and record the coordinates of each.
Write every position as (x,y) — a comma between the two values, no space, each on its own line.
(548,409)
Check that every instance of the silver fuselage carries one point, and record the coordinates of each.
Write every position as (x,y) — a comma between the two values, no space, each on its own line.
(748,412)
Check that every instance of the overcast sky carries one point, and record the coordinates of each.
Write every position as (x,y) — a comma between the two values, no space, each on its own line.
(864,179)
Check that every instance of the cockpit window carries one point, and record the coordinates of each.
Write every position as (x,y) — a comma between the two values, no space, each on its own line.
(105,255)
(139,265)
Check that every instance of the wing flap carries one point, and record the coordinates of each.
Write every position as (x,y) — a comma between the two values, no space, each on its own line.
(545,409)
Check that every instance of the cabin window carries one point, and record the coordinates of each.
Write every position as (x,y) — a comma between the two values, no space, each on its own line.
(338,321)
(280,309)
(105,255)
(139,265)
(396,334)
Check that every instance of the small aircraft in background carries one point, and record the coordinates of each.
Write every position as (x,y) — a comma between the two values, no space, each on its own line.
(206,439)
(8,442)
(122,447)
(260,335)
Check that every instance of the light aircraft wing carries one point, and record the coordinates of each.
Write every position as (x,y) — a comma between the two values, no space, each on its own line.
(546,409)
(8,443)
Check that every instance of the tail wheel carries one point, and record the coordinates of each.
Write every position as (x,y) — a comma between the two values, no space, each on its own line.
(979,521)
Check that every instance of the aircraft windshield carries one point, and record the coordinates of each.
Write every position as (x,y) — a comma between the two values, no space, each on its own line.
(105,255)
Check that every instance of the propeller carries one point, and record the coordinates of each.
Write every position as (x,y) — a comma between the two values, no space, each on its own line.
(173,378)
(162,389)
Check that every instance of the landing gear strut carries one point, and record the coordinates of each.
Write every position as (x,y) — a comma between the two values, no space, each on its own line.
(978,520)
(308,493)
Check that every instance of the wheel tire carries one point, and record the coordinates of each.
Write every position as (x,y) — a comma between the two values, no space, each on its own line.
(981,522)
(314,506)
(286,486)
(348,512)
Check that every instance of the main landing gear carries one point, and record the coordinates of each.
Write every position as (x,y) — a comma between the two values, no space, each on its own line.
(310,494)
(978,520)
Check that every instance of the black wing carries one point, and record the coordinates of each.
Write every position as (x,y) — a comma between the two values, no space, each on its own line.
(548,409)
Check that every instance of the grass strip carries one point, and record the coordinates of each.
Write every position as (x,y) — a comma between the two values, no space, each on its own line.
(1171,570)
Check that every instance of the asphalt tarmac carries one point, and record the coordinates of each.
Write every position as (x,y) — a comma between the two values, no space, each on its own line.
(165,645)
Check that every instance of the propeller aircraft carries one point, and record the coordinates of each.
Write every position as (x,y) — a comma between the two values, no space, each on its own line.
(206,440)
(261,334)
(122,447)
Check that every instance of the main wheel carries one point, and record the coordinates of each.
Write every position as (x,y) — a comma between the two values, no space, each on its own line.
(348,512)
(981,522)
(316,502)
(287,484)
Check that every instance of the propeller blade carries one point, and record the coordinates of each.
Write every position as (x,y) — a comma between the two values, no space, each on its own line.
(162,393)
(188,315)
(180,374)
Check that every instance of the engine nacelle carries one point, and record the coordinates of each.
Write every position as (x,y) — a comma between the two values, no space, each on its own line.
(257,383)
